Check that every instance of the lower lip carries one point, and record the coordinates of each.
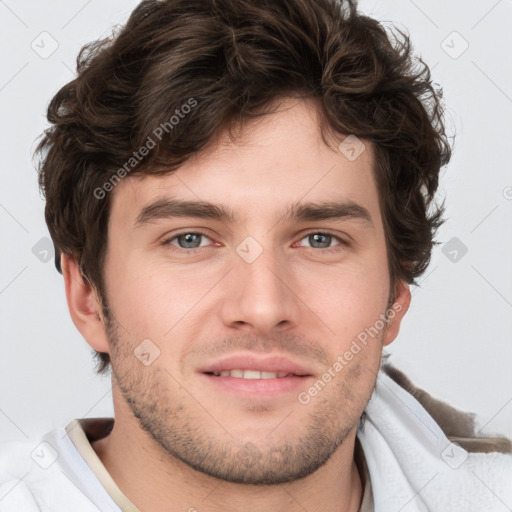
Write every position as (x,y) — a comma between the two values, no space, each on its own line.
(260,387)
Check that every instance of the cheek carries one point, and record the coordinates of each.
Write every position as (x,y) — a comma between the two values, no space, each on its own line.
(149,300)
(347,300)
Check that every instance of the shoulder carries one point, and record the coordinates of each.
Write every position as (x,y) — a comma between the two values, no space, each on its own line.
(15,458)
(31,471)
(429,452)
(49,473)
(16,466)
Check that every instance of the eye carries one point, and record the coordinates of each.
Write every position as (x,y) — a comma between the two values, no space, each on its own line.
(321,240)
(188,240)
(315,240)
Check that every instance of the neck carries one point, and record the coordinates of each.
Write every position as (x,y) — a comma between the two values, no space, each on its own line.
(156,480)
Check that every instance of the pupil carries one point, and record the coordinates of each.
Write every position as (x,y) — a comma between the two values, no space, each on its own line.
(190,240)
(323,240)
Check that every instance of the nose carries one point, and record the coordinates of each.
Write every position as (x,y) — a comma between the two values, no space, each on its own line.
(259,295)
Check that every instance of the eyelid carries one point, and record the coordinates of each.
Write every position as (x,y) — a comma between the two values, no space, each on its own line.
(167,239)
(320,231)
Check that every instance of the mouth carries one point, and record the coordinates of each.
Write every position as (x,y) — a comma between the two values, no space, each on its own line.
(253,376)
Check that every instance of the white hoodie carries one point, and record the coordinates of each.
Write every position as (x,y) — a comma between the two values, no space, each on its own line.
(414,467)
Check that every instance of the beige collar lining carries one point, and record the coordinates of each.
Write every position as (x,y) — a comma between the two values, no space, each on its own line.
(75,430)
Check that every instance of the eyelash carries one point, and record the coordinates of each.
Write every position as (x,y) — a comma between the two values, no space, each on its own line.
(343,244)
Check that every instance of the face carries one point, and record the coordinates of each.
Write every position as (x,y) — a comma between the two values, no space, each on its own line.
(231,323)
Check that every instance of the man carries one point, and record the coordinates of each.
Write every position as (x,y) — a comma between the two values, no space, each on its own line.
(241,194)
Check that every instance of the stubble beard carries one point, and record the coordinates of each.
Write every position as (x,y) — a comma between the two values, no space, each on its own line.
(191,432)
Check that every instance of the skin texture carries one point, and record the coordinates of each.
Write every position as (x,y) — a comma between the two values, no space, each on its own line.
(178,440)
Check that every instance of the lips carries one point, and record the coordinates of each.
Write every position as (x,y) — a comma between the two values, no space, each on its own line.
(256,377)
(252,374)
(253,367)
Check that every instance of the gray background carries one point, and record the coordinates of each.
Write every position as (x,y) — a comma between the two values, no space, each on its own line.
(456,338)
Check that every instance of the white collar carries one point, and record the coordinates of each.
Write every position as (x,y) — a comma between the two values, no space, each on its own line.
(414,467)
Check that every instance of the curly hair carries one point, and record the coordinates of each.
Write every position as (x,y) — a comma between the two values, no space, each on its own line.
(233,58)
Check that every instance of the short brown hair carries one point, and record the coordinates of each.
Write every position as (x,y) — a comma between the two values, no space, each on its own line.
(233,58)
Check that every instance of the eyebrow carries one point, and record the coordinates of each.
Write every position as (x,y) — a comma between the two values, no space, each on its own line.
(310,211)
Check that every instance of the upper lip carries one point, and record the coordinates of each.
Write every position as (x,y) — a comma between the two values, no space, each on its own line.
(267,363)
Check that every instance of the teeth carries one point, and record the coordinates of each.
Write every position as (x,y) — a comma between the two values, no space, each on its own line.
(251,374)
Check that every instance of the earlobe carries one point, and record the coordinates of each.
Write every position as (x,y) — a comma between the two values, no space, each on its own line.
(84,305)
(396,311)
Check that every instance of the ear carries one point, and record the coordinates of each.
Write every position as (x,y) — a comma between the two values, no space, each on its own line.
(397,311)
(84,305)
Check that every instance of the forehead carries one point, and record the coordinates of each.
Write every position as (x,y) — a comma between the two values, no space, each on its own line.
(275,161)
